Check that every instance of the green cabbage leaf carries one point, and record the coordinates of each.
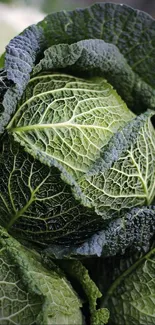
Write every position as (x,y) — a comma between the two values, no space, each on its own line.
(30,292)
(131,296)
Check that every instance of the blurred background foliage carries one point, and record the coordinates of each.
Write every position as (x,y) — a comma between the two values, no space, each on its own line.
(15,15)
(55,5)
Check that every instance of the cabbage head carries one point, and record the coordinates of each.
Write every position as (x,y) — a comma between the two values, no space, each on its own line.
(77,168)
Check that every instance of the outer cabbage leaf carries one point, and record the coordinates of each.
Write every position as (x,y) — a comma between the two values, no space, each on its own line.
(5,83)
(69,120)
(77,271)
(133,231)
(111,23)
(36,204)
(131,296)
(98,58)
(31,293)
(124,176)
(108,22)
(20,57)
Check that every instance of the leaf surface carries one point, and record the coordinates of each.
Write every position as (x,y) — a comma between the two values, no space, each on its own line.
(19,60)
(36,204)
(95,57)
(124,176)
(112,23)
(30,293)
(108,22)
(70,121)
(77,271)
(135,288)
(134,230)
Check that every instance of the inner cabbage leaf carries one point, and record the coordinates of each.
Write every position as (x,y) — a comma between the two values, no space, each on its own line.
(68,119)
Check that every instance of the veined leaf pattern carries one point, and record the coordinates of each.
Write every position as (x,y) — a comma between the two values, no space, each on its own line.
(135,288)
(31,293)
(68,119)
(36,204)
(128,179)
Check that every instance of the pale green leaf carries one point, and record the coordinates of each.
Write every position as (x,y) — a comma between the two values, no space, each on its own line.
(124,176)
(77,271)
(69,121)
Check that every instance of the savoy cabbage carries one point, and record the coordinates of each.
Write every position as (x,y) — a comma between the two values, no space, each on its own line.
(77,170)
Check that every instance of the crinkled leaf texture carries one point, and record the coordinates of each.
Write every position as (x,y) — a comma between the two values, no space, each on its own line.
(98,58)
(131,296)
(131,69)
(20,57)
(112,23)
(30,293)
(123,161)
(123,177)
(134,230)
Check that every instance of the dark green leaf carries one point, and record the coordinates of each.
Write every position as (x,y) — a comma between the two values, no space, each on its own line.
(36,204)
(20,57)
(111,23)
(95,57)
(134,230)
(131,296)
(30,293)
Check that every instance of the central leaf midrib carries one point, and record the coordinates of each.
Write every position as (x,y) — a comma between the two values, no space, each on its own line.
(20,212)
(56,125)
(126,273)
